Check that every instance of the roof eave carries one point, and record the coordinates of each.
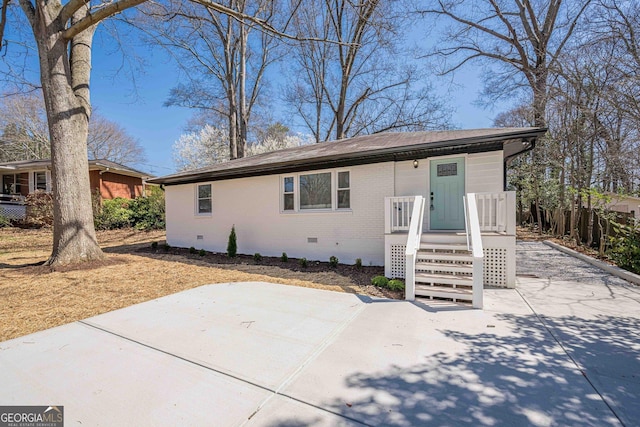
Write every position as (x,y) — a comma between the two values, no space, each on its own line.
(418,151)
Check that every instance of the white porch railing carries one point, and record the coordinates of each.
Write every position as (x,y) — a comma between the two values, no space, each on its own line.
(475,238)
(496,212)
(398,213)
(413,244)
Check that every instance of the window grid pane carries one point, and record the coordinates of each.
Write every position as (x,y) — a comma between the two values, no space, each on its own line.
(204,199)
(344,199)
(343,180)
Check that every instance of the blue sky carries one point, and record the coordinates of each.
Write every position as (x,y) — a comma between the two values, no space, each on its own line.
(139,107)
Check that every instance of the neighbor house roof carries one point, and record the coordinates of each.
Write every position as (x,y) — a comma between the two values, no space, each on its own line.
(376,148)
(99,164)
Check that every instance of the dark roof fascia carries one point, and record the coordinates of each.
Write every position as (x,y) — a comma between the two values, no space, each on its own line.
(469,145)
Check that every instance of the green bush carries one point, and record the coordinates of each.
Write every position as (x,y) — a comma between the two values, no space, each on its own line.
(142,213)
(396,285)
(202,252)
(154,245)
(192,250)
(359,263)
(232,244)
(147,213)
(114,213)
(284,257)
(303,262)
(333,262)
(166,247)
(257,257)
(380,281)
(625,247)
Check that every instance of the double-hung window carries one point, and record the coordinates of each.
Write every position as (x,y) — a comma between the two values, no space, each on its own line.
(316,191)
(288,194)
(40,181)
(203,195)
(344,190)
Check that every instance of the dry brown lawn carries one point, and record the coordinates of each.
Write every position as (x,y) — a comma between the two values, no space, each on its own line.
(34,298)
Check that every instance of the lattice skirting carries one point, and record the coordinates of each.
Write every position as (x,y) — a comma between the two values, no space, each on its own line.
(495,267)
(398,259)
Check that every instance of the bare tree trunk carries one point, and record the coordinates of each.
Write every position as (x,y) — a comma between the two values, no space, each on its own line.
(68,111)
(242,141)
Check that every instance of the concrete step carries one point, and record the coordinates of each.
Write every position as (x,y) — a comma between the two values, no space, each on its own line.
(442,266)
(446,279)
(444,256)
(444,292)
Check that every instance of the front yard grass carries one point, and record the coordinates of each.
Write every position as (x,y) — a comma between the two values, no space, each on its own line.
(35,298)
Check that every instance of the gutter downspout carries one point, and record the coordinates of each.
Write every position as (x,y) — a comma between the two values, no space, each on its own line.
(532,145)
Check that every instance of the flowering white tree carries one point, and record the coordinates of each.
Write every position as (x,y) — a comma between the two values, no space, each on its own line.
(208,146)
(275,143)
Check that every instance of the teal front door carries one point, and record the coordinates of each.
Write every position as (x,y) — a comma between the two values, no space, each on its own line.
(447,189)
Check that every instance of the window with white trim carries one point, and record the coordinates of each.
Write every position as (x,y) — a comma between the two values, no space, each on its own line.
(343,196)
(324,191)
(288,199)
(204,205)
(40,181)
(11,184)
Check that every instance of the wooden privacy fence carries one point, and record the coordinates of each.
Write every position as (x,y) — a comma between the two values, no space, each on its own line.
(551,221)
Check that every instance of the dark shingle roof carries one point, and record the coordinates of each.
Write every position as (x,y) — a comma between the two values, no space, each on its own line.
(376,148)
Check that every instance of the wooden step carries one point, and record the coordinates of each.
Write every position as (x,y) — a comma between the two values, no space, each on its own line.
(442,266)
(444,292)
(447,279)
(444,247)
(444,256)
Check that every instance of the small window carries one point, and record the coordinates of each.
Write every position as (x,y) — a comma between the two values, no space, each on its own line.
(288,203)
(315,191)
(447,169)
(204,199)
(344,190)
(40,181)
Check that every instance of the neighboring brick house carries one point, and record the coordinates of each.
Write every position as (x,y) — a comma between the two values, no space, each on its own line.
(18,179)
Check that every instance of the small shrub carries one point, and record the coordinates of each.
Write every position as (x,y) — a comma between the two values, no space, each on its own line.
(396,285)
(202,252)
(114,213)
(232,245)
(147,213)
(192,250)
(257,257)
(284,257)
(39,208)
(303,262)
(166,247)
(333,262)
(380,281)
(625,248)
(154,245)
(359,263)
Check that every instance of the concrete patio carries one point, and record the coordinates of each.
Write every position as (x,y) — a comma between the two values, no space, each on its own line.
(561,349)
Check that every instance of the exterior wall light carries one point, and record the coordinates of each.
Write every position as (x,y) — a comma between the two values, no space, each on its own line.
(415,164)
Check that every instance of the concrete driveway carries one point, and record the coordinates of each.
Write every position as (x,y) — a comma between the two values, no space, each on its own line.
(259,354)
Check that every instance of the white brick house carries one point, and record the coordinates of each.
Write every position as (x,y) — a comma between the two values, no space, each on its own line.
(354,198)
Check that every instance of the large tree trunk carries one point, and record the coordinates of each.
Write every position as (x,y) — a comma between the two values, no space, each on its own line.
(65,85)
